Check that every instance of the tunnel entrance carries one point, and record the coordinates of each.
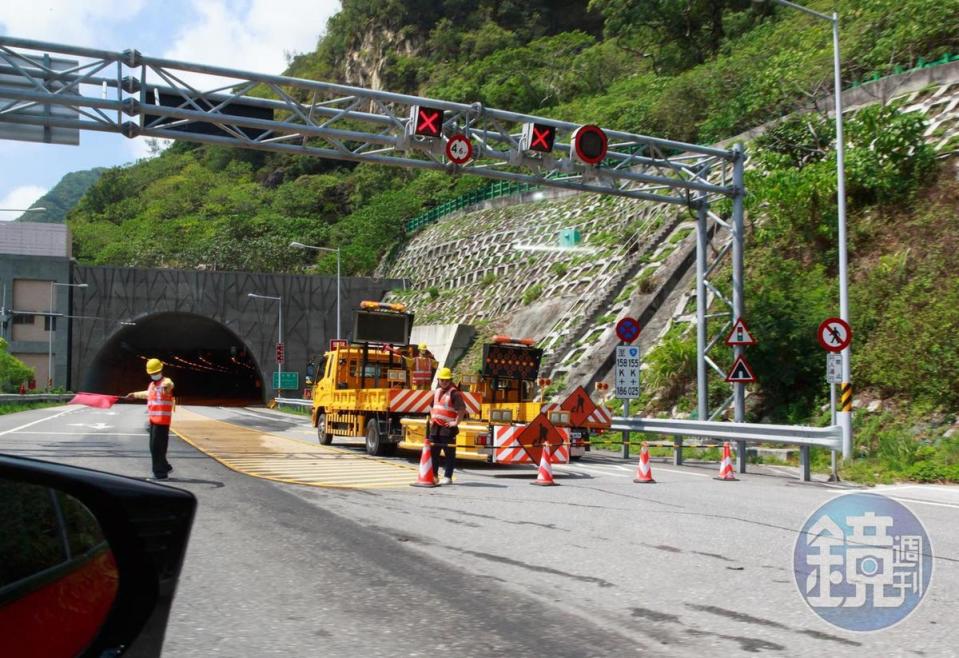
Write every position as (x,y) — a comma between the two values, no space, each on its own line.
(207,362)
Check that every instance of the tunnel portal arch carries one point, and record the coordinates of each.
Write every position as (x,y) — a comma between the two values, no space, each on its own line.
(207,361)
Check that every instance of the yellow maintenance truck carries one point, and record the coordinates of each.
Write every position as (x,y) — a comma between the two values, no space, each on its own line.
(506,422)
(364,386)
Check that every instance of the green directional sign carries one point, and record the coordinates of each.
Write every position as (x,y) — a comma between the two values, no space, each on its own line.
(285,379)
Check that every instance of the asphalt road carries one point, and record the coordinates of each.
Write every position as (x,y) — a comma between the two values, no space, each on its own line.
(491,566)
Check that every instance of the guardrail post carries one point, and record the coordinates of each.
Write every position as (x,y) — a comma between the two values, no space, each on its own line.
(804,462)
(677,451)
(741,455)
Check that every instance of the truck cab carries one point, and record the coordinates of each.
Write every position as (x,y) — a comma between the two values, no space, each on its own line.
(363,386)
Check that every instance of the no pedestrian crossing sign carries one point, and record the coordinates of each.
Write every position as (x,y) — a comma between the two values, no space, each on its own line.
(834,334)
(627,372)
(286,379)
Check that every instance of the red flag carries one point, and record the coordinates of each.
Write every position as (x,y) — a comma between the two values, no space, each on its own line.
(98,400)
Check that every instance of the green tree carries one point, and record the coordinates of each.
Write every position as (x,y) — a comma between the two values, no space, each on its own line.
(13,371)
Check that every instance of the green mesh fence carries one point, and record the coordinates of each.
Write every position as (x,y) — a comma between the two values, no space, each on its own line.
(491,191)
(921,63)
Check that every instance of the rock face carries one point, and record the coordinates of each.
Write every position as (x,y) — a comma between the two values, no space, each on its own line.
(363,65)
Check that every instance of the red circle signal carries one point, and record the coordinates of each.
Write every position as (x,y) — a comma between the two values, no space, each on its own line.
(590,144)
(459,149)
(834,334)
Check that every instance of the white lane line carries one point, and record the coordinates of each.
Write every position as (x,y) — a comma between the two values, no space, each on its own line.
(16,429)
(254,414)
(671,470)
(922,502)
(143,433)
(922,487)
(602,468)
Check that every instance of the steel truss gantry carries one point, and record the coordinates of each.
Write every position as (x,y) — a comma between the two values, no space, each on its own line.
(135,95)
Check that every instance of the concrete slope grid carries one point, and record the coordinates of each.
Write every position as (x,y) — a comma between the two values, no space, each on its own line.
(476,267)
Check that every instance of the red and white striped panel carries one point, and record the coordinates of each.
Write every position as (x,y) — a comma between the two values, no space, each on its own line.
(550,406)
(600,417)
(561,453)
(408,401)
(473,402)
(508,450)
(506,446)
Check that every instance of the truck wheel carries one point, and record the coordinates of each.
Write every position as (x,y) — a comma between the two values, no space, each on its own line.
(374,446)
(325,437)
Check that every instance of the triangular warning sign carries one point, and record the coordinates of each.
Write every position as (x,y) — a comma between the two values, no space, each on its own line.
(579,405)
(740,334)
(539,431)
(741,373)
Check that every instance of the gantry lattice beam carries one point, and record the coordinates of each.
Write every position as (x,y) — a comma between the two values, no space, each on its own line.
(56,87)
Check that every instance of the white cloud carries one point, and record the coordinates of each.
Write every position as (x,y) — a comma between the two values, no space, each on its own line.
(250,36)
(19,198)
(65,21)
(146,147)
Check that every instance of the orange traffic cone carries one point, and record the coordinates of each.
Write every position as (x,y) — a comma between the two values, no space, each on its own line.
(644,474)
(545,476)
(425,477)
(726,465)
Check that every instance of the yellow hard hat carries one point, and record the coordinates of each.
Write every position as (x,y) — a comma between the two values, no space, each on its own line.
(422,347)
(154,366)
(444,373)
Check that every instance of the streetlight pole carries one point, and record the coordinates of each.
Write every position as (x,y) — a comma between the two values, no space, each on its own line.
(300,245)
(844,416)
(279,363)
(53,286)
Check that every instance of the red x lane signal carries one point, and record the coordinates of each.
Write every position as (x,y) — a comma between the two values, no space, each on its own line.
(427,121)
(538,137)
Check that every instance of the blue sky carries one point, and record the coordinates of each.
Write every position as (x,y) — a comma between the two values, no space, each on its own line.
(252,35)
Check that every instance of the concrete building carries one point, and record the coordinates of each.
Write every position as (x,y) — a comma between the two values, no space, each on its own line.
(35,297)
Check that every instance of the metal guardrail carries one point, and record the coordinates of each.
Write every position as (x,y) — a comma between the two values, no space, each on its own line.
(294,402)
(35,397)
(740,433)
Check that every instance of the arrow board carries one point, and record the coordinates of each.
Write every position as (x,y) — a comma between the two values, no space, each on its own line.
(740,334)
(740,373)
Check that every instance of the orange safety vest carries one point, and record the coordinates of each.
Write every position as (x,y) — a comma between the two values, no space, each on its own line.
(160,403)
(422,370)
(443,412)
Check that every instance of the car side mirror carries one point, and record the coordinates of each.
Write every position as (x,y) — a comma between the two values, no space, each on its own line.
(88,560)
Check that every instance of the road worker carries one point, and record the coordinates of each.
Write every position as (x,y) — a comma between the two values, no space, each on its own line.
(422,367)
(159,397)
(446,412)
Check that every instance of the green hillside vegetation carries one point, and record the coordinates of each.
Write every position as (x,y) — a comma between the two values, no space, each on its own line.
(699,71)
(573,60)
(903,233)
(63,197)
(13,371)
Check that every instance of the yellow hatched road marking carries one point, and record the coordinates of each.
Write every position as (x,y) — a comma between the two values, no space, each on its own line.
(271,457)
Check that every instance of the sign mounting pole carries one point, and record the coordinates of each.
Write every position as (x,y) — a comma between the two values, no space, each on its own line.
(627,369)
